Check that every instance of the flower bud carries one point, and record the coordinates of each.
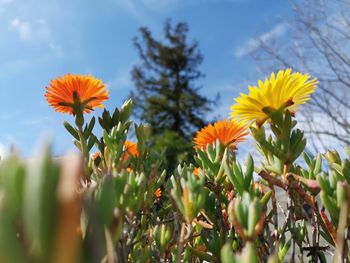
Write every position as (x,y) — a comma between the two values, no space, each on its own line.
(126,110)
(332,157)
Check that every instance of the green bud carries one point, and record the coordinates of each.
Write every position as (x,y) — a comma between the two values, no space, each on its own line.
(79,118)
(253,217)
(249,254)
(249,172)
(126,110)
(226,254)
(332,157)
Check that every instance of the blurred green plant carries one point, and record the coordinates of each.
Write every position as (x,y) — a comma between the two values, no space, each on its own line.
(118,205)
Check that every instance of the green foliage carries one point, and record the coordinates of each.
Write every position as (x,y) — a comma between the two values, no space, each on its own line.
(188,192)
(247,216)
(39,203)
(119,207)
(248,254)
(169,143)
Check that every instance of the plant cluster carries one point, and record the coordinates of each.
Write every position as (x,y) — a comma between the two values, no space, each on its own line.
(113,203)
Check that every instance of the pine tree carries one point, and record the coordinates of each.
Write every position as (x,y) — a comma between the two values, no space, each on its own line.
(166,95)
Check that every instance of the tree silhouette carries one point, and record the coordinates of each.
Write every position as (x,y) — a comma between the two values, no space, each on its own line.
(166,95)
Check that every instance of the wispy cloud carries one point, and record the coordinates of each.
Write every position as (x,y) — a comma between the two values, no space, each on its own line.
(36,31)
(253,43)
(22,27)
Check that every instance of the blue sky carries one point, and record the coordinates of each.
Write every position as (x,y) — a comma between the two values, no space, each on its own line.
(40,40)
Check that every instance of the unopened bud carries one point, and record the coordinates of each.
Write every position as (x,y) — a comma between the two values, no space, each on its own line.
(332,157)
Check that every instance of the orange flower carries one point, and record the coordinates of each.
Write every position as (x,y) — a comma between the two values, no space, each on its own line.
(63,93)
(196,171)
(131,148)
(95,155)
(157,194)
(229,133)
(201,248)
(260,187)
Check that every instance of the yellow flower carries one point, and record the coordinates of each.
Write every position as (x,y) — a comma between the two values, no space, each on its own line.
(286,91)
(229,133)
(61,93)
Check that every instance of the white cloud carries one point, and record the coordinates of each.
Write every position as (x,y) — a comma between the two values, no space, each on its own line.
(36,31)
(22,27)
(252,44)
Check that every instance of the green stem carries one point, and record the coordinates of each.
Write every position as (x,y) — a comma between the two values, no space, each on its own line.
(275,212)
(290,207)
(78,108)
(84,151)
(221,223)
(181,242)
